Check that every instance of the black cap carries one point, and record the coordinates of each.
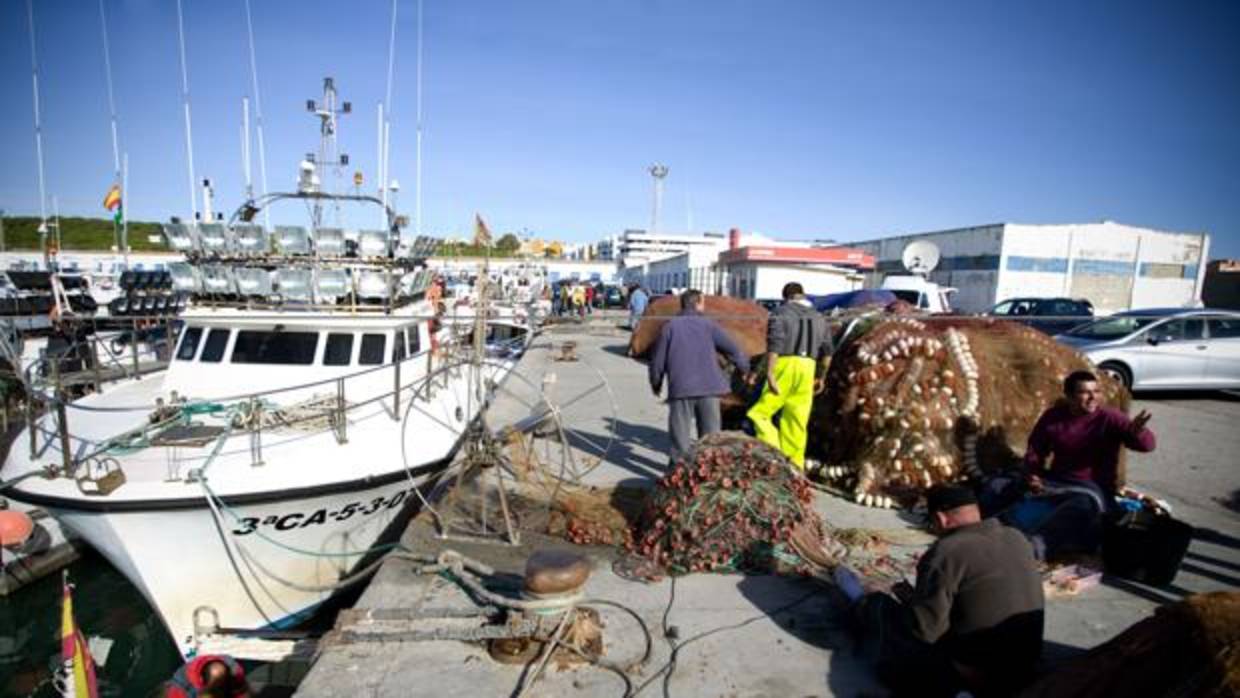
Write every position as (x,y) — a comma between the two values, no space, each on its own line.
(947,497)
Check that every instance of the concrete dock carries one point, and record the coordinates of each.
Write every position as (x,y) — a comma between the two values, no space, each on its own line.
(750,635)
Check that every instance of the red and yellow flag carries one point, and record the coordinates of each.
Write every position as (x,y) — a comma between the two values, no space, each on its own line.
(113,199)
(74,652)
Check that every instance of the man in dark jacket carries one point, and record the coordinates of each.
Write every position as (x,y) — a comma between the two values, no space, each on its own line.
(974,619)
(685,355)
(798,351)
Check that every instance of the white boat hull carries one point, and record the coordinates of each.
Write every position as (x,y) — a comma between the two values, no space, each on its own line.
(261,565)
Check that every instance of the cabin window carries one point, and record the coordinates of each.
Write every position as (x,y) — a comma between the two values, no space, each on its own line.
(339,351)
(189,344)
(373,346)
(415,341)
(213,348)
(266,347)
(398,348)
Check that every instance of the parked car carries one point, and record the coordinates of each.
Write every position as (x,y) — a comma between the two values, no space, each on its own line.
(613,297)
(1051,315)
(1164,348)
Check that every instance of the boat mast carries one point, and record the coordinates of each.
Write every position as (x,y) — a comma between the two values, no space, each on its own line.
(189,134)
(107,69)
(418,157)
(385,126)
(258,113)
(116,142)
(38,136)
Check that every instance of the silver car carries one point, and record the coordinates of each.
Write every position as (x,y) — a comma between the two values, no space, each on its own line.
(1164,349)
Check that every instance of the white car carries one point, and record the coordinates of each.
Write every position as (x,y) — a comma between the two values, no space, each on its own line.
(1164,348)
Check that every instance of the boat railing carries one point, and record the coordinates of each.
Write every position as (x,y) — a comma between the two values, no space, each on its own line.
(256,412)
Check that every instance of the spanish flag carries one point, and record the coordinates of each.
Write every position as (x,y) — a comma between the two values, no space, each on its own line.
(113,200)
(482,236)
(79,666)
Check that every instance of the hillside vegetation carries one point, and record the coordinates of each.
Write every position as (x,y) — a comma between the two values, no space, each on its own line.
(81,235)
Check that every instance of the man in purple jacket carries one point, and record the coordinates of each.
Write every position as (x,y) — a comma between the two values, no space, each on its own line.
(1071,465)
(685,355)
(1082,438)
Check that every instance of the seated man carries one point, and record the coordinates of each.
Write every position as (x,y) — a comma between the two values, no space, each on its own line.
(974,621)
(1072,466)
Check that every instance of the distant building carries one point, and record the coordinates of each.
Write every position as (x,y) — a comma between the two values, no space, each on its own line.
(1114,266)
(759,272)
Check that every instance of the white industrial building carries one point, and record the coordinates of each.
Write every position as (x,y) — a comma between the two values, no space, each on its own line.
(1115,266)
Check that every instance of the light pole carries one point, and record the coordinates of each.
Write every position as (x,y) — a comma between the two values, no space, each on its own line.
(659,172)
(1,230)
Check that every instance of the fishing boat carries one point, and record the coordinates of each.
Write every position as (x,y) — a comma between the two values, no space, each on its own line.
(308,402)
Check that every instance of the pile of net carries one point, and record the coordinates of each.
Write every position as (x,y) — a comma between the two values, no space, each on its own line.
(1190,648)
(912,402)
(744,321)
(731,503)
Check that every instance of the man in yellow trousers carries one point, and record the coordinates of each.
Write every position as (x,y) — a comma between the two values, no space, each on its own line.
(798,351)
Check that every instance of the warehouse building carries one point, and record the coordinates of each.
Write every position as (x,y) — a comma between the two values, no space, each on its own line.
(1114,266)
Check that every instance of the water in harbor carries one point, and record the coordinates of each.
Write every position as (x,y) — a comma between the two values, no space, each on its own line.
(141,655)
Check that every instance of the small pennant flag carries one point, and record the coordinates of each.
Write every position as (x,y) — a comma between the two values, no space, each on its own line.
(73,650)
(482,235)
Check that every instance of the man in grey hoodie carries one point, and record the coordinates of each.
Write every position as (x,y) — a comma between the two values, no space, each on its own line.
(685,355)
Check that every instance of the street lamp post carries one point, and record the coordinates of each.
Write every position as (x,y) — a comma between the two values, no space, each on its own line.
(658,172)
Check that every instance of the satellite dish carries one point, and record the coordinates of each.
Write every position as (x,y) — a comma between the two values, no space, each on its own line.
(920,257)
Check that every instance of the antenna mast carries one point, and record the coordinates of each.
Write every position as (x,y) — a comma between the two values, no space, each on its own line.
(329,154)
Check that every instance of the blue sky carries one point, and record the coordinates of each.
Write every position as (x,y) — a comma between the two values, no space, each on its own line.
(797,119)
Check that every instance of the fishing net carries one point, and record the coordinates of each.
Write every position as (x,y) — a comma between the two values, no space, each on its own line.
(912,402)
(731,503)
(1190,648)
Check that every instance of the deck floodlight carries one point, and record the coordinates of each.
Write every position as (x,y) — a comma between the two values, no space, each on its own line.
(218,280)
(292,239)
(253,282)
(181,237)
(184,277)
(372,284)
(294,284)
(250,239)
(215,237)
(331,285)
(329,242)
(372,243)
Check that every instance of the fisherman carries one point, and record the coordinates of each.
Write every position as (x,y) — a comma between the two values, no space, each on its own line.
(209,676)
(974,620)
(798,351)
(1071,469)
(685,354)
(638,299)
(579,300)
